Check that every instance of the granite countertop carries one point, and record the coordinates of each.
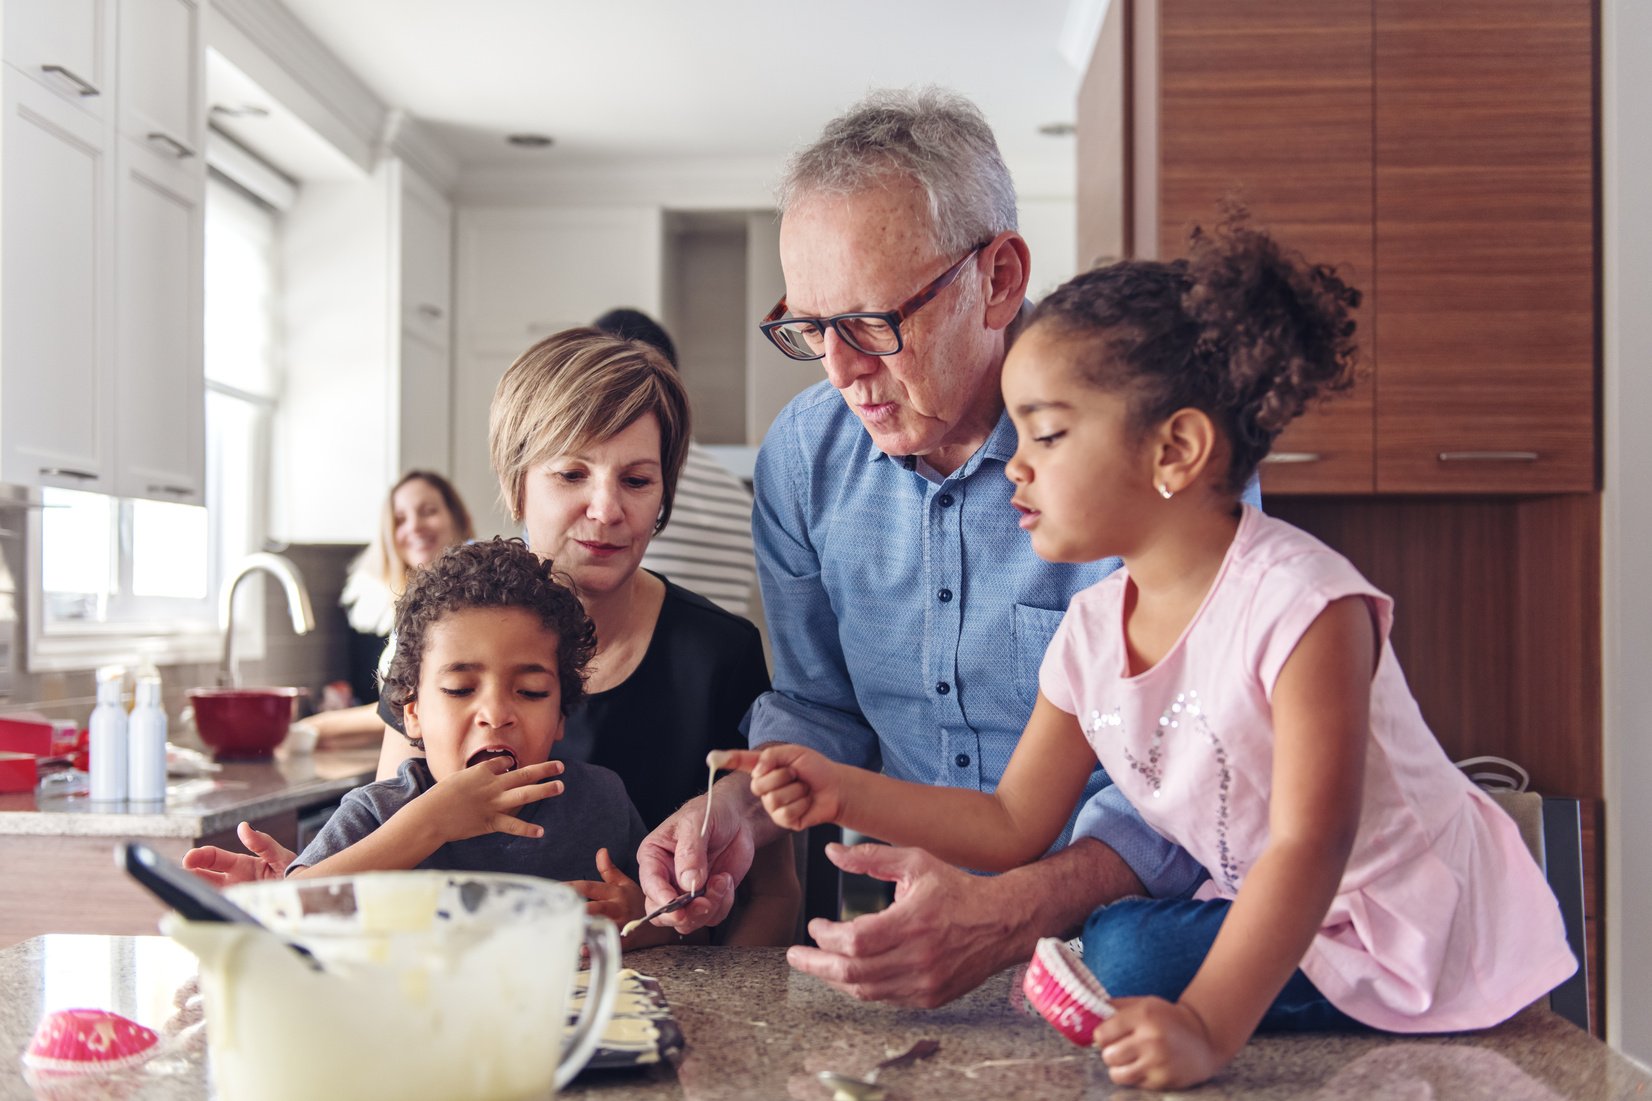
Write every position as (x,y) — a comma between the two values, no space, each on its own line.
(197,807)
(756,1029)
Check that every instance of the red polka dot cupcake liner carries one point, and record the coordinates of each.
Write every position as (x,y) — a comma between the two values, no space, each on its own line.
(1064,992)
(82,1041)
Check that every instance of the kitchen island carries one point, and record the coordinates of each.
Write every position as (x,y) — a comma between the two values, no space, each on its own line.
(756,1029)
(56,850)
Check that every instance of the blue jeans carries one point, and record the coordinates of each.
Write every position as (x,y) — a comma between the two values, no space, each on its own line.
(1142,946)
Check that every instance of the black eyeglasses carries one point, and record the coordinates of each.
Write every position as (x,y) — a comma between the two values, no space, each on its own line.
(875,334)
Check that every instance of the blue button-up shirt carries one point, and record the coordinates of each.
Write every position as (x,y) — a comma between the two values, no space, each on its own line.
(909,616)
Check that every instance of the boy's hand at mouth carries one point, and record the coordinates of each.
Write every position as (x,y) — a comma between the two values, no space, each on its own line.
(616,896)
(484,797)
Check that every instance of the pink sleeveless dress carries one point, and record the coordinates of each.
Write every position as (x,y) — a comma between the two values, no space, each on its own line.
(1442,922)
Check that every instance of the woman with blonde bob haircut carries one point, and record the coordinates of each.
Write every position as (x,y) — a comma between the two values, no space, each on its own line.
(580,386)
(587,434)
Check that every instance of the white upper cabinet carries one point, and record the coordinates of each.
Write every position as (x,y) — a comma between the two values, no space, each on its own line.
(67,46)
(101,248)
(427,261)
(160,218)
(160,75)
(56,341)
(160,407)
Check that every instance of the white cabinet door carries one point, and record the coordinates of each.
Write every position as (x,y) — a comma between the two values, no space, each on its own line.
(56,409)
(65,45)
(424,425)
(160,75)
(160,413)
(426,261)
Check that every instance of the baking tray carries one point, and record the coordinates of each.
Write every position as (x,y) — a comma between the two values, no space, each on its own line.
(642,1033)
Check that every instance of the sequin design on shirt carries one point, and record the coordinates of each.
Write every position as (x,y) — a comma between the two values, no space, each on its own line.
(1188,709)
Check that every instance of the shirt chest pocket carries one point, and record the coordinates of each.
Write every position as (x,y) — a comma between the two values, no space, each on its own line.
(1034,628)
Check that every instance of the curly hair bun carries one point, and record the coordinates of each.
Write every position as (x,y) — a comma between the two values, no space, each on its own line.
(1276,329)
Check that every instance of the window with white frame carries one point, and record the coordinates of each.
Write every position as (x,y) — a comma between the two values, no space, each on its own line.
(119,576)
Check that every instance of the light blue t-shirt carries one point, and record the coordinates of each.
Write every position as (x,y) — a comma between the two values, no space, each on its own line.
(908,617)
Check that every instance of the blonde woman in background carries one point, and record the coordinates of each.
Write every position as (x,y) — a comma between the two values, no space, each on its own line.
(423,515)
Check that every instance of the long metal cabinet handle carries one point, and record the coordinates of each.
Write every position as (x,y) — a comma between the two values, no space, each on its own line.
(1489,456)
(86,87)
(179,149)
(171,491)
(1293,457)
(65,472)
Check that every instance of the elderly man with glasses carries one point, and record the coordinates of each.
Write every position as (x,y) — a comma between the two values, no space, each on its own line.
(907,611)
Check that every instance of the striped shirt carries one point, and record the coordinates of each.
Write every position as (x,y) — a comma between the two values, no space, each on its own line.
(706,547)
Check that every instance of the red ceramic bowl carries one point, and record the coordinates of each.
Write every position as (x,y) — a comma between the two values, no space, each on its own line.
(243,722)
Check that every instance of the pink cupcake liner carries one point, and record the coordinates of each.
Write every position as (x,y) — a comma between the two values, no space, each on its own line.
(80,1041)
(1062,989)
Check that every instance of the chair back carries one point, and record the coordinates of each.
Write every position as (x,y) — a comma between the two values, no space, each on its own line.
(1552,830)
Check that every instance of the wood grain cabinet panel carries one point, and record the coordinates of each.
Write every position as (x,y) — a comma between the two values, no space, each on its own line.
(1441,156)
(1485,245)
(1274,107)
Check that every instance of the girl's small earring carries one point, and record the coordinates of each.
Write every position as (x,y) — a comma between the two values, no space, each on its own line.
(1165,491)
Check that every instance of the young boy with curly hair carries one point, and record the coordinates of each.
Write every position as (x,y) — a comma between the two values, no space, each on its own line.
(490,657)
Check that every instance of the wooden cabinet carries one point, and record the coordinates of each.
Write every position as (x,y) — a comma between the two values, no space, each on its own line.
(100,361)
(1442,158)
(1485,245)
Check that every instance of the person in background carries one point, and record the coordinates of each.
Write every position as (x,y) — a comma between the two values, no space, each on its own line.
(1235,677)
(423,515)
(707,546)
(586,434)
(907,612)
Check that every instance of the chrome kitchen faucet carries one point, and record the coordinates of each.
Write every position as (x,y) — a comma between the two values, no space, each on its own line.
(298,604)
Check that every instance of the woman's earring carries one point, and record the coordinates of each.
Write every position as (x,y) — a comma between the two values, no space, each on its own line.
(1165,491)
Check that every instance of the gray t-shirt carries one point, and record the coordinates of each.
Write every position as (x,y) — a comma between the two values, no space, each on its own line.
(592,812)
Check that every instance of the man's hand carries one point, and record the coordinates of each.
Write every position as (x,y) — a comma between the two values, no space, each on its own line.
(799,787)
(1156,1044)
(484,798)
(675,858)
(945,934)
(220,867)
(615,896)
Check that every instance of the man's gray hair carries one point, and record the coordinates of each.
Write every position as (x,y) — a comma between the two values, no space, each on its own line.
(935,137)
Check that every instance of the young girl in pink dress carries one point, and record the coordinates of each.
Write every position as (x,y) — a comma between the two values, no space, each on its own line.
(1236,680)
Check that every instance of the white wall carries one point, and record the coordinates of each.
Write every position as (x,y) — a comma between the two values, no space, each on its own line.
(522,274)
(1050,226)
(1626,138)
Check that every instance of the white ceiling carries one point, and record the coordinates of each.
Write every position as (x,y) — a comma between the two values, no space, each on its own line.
(617,81)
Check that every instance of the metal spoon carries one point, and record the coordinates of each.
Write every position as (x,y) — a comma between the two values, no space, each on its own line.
(687,896)
(845,1088)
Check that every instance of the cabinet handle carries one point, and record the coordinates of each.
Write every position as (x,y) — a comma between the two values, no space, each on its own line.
(1489,456)
(171,491)
(65,472)
(178,148)
(1292,457)
(84,86)
(425,309)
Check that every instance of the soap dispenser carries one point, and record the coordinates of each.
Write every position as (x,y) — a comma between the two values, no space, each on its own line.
(107,738)
(146,744)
